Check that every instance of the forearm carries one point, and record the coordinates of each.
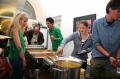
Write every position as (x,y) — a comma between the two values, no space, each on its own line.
(118,53)
(102,50)
(22,56)
(64,42)
(59,39)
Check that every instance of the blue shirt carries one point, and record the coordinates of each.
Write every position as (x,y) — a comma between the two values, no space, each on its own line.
(75,37)
(105,35)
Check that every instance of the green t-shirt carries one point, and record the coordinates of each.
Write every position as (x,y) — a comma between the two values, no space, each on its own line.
(14,52)
(57,34)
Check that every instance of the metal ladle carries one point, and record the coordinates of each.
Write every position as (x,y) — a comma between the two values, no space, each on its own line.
(51,60)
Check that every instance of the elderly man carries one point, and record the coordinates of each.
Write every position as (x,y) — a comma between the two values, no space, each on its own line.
(35,36)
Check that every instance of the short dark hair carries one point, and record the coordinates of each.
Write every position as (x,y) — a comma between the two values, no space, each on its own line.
(114,4)
(49,19)
(84,22)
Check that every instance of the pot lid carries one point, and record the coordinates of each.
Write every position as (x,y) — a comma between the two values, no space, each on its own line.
(69,58)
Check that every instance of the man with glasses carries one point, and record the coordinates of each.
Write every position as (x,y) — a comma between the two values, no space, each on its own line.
(35,37)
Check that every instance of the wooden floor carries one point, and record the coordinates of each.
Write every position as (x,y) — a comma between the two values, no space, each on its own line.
(39,75)
(45,75)
(42,75)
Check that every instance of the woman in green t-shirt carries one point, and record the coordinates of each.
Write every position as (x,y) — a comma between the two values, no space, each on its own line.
(17,49)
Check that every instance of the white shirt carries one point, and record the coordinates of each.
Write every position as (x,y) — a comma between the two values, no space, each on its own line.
(34,38)
(25,39)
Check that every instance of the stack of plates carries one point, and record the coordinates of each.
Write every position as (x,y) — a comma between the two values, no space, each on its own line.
(4,37)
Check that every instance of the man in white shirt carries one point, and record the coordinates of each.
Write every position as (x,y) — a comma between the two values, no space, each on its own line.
(35,36)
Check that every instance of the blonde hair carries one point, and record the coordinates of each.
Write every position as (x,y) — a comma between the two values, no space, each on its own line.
(15,23)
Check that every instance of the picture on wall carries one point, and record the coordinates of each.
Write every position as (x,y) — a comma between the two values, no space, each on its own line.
(88,18)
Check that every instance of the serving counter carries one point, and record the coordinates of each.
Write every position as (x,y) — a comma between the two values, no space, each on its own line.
(41,60)
(35,57)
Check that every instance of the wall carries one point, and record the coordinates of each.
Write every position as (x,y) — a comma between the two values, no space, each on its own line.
(70,9)
(38,10)
(39,18)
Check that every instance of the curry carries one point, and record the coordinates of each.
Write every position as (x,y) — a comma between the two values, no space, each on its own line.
(40,53)
(40,50)
(68,64)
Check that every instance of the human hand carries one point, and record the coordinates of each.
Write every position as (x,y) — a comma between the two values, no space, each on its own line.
(59,49)
(117,63)
(88,49)
(52,38)
(112,61)
(35,42)
(24,64)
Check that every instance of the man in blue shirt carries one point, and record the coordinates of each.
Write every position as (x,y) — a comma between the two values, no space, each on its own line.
(106,43)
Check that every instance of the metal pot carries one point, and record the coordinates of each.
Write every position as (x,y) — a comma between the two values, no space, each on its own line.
(69,70)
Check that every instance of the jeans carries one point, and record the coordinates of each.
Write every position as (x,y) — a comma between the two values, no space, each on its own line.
(17,67)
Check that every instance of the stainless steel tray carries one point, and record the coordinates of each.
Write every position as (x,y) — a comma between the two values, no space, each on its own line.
(47,61)
(34,46)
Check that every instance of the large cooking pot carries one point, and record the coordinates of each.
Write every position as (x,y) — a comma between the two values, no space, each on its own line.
(66,68)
